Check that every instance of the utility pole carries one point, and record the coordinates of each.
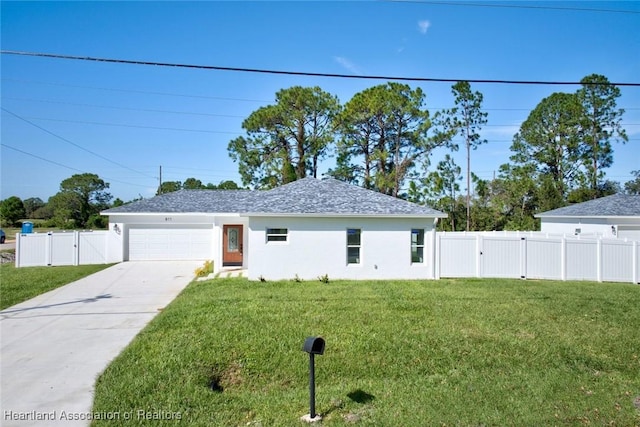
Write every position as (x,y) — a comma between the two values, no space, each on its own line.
(160,185)
(468,178)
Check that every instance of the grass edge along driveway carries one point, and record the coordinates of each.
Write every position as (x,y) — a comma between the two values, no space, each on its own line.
(21,284)
(227,352)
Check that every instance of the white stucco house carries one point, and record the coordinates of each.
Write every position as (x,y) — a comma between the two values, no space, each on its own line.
(616,216)
(307,228)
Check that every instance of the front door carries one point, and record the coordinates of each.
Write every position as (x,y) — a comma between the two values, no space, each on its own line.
(232,245)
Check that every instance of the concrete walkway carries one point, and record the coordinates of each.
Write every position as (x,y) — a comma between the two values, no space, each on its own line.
(54,346)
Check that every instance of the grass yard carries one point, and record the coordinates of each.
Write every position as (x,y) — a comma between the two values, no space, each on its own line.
(20,284)
(228,352)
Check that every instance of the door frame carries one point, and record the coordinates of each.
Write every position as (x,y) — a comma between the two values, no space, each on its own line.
(232,259)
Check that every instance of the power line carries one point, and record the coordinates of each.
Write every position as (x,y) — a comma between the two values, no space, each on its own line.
(207,130)
(621,124)
(175,176)
(40,158)
(65,166)
(515,6)
(197,169)
(181,175)
(529,109)
(195,113)
(303,73)
(217,98)
(147,110)
(193,96)
(74,144)
(185,130)
(136,126)
(508,141)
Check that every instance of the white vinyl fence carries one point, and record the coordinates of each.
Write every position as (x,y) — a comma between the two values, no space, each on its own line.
(536,256)
(63,248)
(524,255)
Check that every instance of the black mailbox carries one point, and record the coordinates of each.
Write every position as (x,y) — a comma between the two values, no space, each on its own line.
(314,345)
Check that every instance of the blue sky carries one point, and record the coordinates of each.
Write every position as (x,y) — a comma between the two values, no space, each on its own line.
(124,121)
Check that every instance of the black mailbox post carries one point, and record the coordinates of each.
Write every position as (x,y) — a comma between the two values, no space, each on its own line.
(313,346)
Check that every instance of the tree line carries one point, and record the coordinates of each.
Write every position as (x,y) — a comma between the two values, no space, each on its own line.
(80,200)
(195,184)
(384,137)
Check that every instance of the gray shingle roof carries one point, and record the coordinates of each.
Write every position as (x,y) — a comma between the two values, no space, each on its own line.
(191,201)
(615,205)
(330,196)
(307,196)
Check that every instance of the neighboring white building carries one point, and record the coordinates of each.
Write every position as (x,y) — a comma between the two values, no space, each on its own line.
(304,229)
(616,216)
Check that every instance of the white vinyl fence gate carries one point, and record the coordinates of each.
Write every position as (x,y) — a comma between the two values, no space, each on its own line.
(64,248)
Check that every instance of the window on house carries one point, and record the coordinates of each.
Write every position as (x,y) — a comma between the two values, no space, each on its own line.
(353,245)
(417,245)
(277,234)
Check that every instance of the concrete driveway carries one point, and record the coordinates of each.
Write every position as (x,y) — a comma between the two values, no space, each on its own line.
(9,244)
(55,345)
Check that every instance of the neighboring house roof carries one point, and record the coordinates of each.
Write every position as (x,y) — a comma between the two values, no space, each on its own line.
(617,205)
(308,196)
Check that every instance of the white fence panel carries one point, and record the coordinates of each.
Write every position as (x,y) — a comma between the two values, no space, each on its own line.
(582,260)
(537,256)
(66,248)
(92,247)
(457,255)
(501,257)
(63,248)
(616,261)
(32,250)
(544,258)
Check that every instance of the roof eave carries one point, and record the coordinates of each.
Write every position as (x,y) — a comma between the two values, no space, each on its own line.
(170,213)
(588,216)
(342,215)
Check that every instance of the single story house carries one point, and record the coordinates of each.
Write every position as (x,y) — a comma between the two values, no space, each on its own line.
(616,216)
(305,229)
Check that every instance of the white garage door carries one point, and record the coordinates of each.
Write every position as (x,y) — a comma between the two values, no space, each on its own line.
(630,232)
(157,243)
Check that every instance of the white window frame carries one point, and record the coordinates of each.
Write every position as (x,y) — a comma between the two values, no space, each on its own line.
(275,235)
(417,245)
(358,246)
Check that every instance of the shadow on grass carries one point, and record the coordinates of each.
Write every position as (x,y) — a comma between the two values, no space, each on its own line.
(351,416)
(360,396)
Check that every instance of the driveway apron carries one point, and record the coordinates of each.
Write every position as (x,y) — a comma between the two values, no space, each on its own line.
(54,346)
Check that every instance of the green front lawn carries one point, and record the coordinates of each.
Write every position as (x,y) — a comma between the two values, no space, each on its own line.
(21,284)
(227,352)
